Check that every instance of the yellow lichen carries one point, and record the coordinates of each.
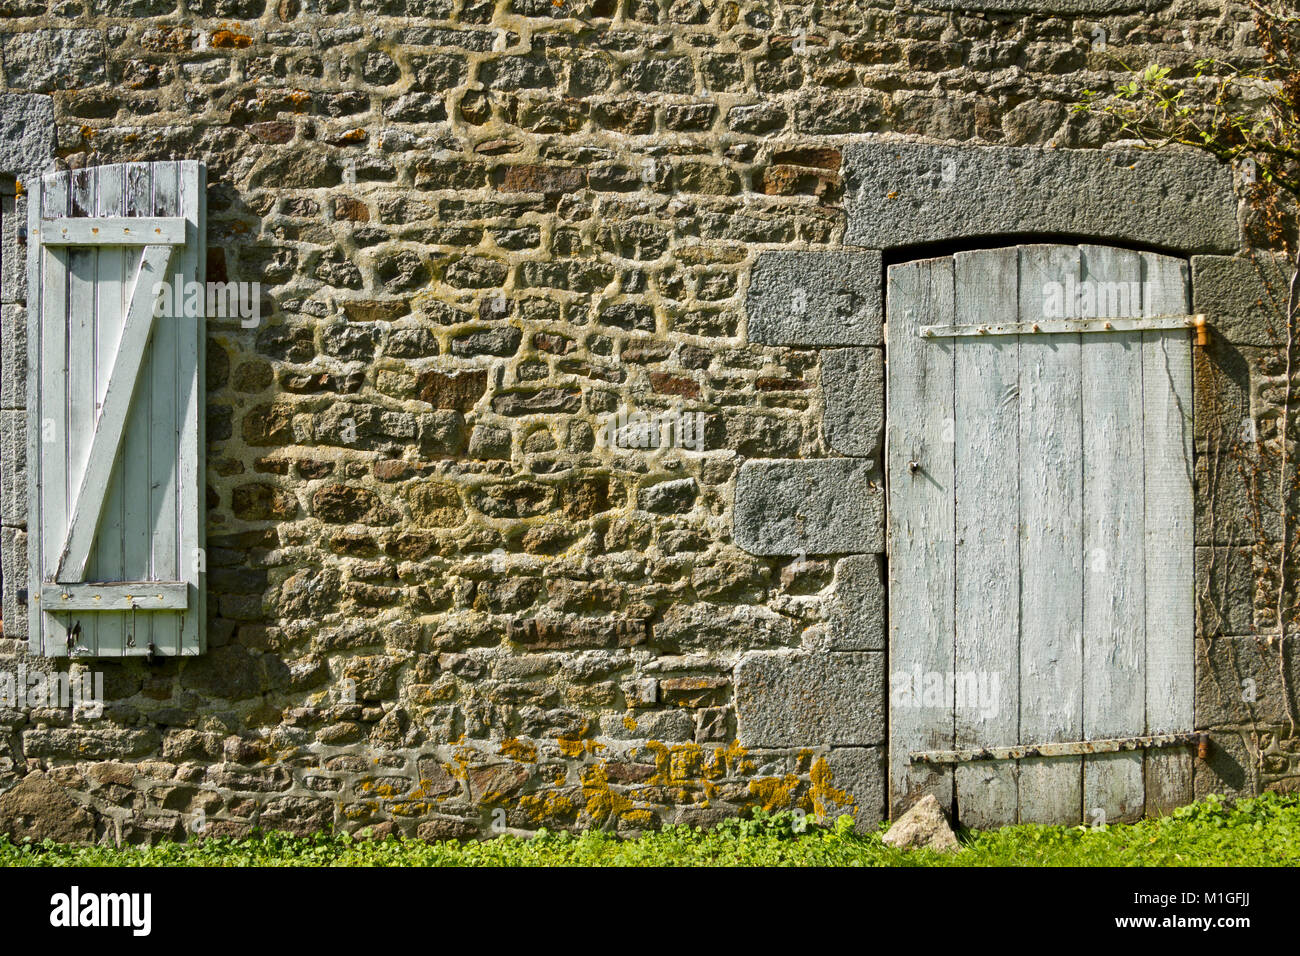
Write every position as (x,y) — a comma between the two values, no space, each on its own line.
(638,818)
(822,791)
(408,808)
(575,747)
(775,793)
(686,763)
(517,749)
(603,804)
(734,759)
(228,39)
(547,807)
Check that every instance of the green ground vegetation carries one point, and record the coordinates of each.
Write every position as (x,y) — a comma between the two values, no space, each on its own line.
(1262,831)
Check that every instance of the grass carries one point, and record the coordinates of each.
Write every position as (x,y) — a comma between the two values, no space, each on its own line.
(1262,831)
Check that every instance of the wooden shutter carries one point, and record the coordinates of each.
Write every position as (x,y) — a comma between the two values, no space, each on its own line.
(115,399)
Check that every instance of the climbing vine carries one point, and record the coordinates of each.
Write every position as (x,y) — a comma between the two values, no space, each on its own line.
(1246,114)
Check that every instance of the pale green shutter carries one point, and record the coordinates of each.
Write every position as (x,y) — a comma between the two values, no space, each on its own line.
(115,404)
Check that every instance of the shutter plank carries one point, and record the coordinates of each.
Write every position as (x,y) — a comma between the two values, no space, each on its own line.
(51,388)
(107,559)
(1051,522)
(1114,606)
(83,263)
(35,298)
(135,466)
(164,431)
(1170,608)
(117,596)
(921,523)
(190,372)
(987,620)
(100,231)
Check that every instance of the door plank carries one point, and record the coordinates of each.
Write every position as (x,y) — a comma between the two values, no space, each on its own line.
(1051,543)
(1170,609)
(921,525)
(987,617)
(1114,606)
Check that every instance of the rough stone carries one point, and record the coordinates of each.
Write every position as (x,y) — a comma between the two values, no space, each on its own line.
(89,744)
(902,193)
(717,627)
(1243,297)
(551,180)
(13,468)
(786,699)
(1238,681)
(539,401)
(1230,769)
(38,809)
(436,505)
(823,506)
(853,381)
(816,298)
(344,504)
(452,390)
(856,606)
(45,60)
(1067,7)
(669,497)
(26,138)
(542,634)
(13,357)
(489,442)
(13,258)
(924,826)
(13,569)
(858,772)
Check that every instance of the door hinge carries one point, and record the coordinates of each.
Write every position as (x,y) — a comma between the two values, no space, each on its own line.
(1150,323)
(1068,748)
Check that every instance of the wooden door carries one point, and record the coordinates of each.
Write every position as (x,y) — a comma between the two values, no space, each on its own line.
(1039,468)
(115,373)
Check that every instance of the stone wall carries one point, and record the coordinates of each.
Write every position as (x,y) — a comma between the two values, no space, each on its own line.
(439,602)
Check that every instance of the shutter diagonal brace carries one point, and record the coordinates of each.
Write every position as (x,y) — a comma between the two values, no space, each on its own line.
(111,424)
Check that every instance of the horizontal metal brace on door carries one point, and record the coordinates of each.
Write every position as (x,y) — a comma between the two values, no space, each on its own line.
(115,596)
(1153,323)
(1069,748)
(113,231)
